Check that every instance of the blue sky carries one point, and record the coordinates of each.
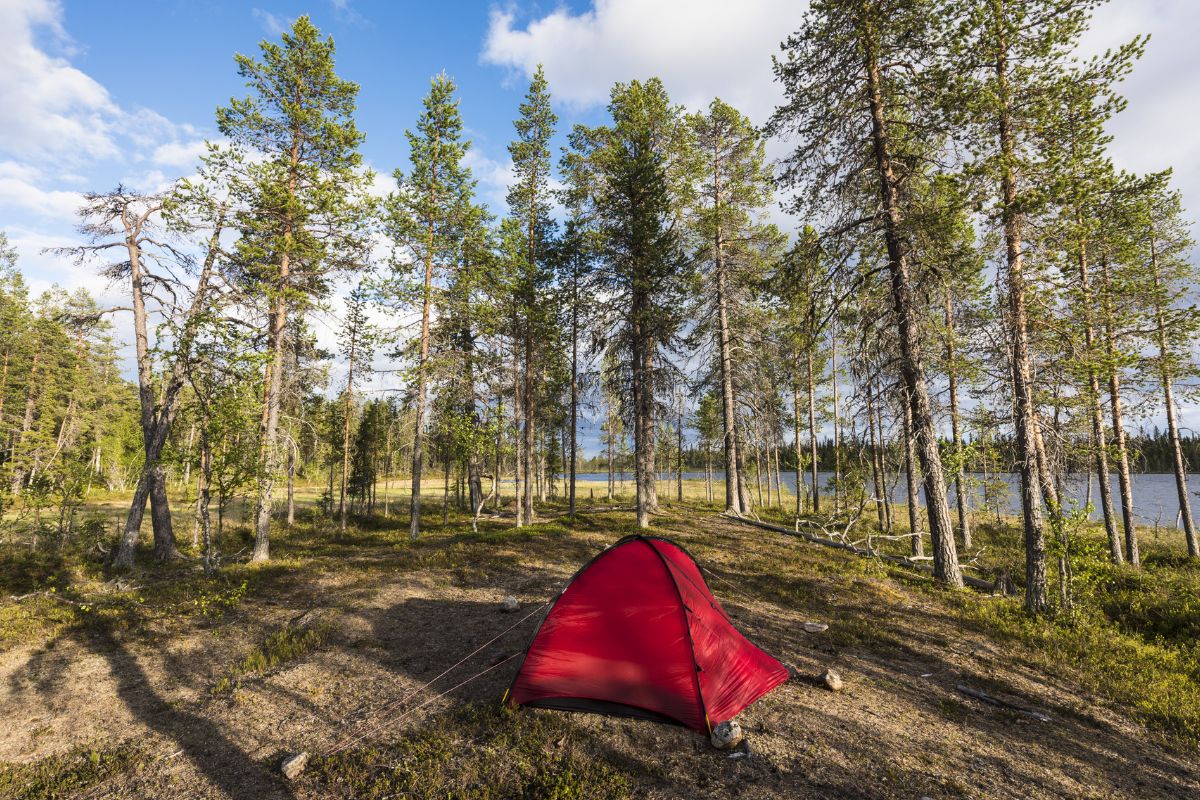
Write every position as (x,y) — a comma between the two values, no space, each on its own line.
(92,93)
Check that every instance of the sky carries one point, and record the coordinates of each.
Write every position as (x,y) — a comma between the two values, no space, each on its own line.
(93,94)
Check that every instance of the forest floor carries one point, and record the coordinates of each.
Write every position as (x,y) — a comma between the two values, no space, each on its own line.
(164,684)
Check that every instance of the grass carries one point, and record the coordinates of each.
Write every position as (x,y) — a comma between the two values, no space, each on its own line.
(1132,638)
(476,752)
(284,645)
(67,775)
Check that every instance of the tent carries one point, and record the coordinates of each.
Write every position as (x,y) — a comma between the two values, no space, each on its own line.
(637,633)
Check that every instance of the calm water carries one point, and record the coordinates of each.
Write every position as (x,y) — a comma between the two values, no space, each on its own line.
(1153,494)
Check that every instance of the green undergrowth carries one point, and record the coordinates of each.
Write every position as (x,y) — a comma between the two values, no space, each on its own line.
(284,645)
(476,752)
(68,774)
(1154,682)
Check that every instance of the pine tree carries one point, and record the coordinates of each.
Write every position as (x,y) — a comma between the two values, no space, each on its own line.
(425,217)
(632,180)
(855,69)
(1007,66)
(734,188)
(303,204)
(529,206)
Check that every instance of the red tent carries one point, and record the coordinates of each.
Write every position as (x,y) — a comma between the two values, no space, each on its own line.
(638,633)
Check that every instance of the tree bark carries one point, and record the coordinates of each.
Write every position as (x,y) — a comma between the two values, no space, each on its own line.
(812,433)
(643,406)
(914,527)
(1024,412)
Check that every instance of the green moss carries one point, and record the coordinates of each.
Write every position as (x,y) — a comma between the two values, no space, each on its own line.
(67,775)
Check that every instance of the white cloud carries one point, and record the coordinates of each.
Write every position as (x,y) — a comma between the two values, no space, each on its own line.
(180,155)
(1155,130)
(19,192)
(494,178)
(700,48)
(47,106)
(273,24)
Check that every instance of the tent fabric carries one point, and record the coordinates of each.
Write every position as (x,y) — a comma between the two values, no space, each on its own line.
(637,632)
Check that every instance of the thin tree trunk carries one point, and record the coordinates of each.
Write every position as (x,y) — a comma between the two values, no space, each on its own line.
(1168,389)
(876,477)
(914,527)
(960,478)
(1118,423)
(1096,412)
(291,486)
(941,533)
(812,434)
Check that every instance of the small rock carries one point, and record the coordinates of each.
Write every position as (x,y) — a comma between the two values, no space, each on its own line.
(727,735)
(509,604)
(293,766)
(814,627)
(833,681)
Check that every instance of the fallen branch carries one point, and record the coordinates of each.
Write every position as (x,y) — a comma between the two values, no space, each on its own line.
(996,701)
(974,583)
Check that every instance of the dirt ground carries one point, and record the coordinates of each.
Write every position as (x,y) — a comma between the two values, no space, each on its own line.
(900,729)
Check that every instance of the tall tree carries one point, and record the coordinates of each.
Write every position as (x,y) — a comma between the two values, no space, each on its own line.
(426,214)
(632,181)
(303,204)
(854,68)
(529,205)
(358,344)
(1008,60)
(735,186)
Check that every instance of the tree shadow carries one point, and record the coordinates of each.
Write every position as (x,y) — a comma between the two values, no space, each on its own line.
(214,756)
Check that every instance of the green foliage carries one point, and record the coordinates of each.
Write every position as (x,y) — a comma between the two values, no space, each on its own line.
(216,603)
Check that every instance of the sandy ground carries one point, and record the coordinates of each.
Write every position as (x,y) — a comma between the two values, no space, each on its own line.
(898,730)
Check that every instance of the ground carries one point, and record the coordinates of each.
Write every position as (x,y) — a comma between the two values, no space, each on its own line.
(161,684)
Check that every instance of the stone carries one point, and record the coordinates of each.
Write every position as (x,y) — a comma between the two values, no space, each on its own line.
(293,766)
(833,681)
(727,735)
(509,605)
(814,627)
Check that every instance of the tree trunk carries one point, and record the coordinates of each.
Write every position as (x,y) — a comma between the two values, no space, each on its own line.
(1024,412)
(1095,410)
(960,478)
(347,409)
(837,421)
(733,504)
(812,435)
(798,447)
(910,476)
(291,486)
(531,461)
(643,408)
(518,438)
(941,534)
(418,458)
(1118,424)
(876,477)
(1168,389)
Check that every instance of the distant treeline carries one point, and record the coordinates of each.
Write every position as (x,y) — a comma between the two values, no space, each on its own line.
(1149,452)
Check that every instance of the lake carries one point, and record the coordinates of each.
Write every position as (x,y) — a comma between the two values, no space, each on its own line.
(1154,497)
